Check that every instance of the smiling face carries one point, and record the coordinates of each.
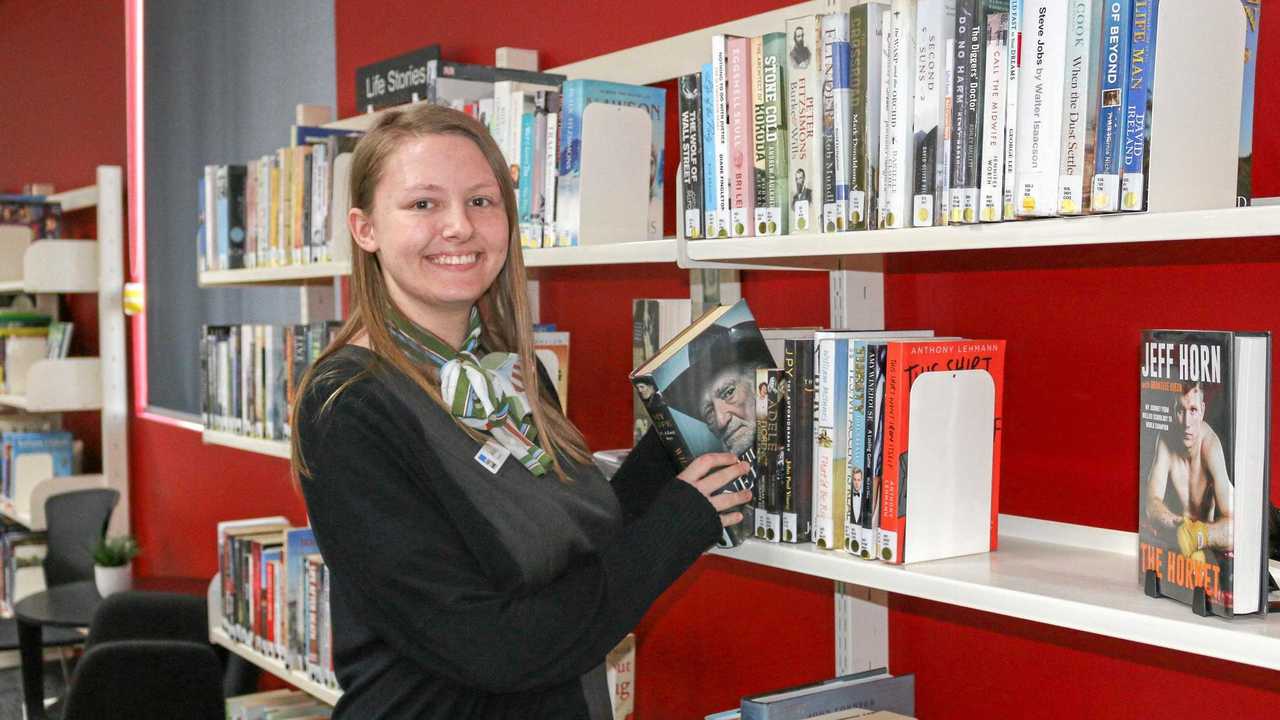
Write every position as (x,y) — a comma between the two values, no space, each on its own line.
(439,229)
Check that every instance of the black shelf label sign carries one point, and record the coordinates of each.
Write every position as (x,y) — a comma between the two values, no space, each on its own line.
(401,79)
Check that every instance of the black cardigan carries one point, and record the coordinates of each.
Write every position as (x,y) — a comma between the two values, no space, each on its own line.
(436,612)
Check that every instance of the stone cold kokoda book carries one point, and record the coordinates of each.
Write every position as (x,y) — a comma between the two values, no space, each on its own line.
(1203,471)
(699,391)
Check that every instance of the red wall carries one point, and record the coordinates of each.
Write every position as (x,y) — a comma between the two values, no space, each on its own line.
(1071,321)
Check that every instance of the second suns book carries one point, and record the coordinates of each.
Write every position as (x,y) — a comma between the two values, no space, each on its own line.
(1203,474)
(699,393)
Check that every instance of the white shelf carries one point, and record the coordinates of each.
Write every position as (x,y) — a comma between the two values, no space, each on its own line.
(274,448)
(66,385)
(1070,576)
(60,266)
(76,199)
(283,274)
(649,251)
(11,286)
(300,680)
(1050,232)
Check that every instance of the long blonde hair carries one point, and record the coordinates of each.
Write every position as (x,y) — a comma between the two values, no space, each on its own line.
(507,324)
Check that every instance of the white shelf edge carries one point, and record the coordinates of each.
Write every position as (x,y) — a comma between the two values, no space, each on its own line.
(1070,584)
(1048,232)
(647,251)
(11,286)
(261,446)
(9,512)
(283,274)
(300,680)
(76,198)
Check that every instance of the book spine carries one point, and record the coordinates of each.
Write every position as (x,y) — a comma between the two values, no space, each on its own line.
(822,441)
(842,98)
(857,396)
(741,136)
(710,181)
(1040,109)
(691,153)
(319,201)
(892,510)
(202,260)
(524,190)
(550,175)
(664,424)
(1138,102)
(804,156)
(898,116)
(775,135)
(222,213)
(568,200)
(803,461)
(966,109)
(1014,55)
(301,176)
(1075,113)
(764,453)
(864,112)
(250,218)
(790,442)
(1112,80)
(825,33)
(776,469)
(935,23)
(720,97)
(304,207)
(873,453)
(991,192)
(944,153)
(759,163)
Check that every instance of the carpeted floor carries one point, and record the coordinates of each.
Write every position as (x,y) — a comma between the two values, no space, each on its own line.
(11,689)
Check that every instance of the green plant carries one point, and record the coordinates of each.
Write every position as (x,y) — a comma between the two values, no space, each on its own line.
(116,551)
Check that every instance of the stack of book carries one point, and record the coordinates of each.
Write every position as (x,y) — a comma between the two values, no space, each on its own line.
(273,704)
(284,208)
(921,113)
(249,374)
(275,594)
(825,419)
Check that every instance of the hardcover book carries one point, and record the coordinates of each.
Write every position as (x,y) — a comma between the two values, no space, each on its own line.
(654,322)
(771,402)
(1203,470)
(1138,102)
(1040,87)
(1113,75)
(866,47)
(699,392)
(935,28)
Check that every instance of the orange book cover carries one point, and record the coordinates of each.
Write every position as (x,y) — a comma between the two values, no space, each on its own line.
(906,362)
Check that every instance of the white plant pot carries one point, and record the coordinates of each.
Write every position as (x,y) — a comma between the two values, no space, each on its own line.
(113,579)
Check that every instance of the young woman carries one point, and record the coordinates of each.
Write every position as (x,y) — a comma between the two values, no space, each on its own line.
(480,565)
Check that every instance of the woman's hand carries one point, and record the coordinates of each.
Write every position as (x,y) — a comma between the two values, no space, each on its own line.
(712,471)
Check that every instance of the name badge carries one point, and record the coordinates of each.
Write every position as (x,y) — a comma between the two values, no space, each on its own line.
(492,456)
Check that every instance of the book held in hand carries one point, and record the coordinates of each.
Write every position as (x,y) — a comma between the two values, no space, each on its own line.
(1203,472)
(699,391)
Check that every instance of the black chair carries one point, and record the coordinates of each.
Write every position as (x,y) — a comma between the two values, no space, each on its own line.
(142,679)
(138,615)
(75,522)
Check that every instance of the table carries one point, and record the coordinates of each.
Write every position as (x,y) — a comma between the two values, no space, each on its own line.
(70,605)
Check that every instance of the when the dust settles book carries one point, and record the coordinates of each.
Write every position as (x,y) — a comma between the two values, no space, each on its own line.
(1203,472)
(699,391)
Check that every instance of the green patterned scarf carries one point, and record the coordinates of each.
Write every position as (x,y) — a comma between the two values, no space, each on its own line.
(481,392)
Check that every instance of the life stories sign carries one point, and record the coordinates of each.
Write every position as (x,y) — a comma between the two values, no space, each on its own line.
(399,80)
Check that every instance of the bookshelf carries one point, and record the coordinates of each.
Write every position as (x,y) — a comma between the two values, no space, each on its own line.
(298,679)
(84,383)
(1070,576)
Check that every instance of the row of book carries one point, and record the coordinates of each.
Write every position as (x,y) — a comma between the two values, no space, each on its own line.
(34,211)
(249,373)
(276,705)
(540,131)
(275,594)
(825,418)
(872,695)
(920,113)
(284,208)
